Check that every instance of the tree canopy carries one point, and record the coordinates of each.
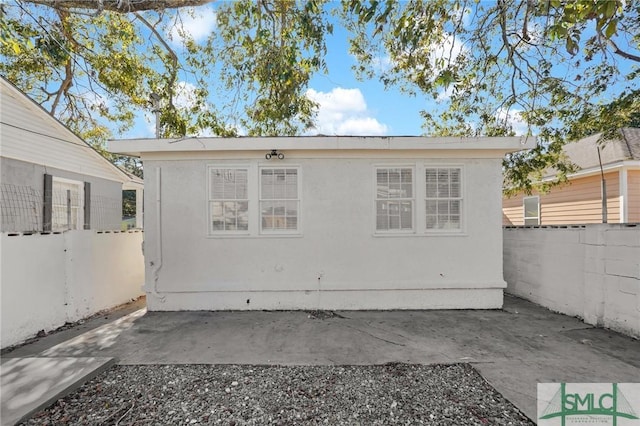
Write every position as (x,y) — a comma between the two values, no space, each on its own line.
(560,69)
(565,69)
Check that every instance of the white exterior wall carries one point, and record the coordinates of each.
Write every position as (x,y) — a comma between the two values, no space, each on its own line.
(336,262)
(48,280)
(592,272)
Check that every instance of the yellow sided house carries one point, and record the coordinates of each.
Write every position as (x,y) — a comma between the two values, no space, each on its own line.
(323,222)
(579,201)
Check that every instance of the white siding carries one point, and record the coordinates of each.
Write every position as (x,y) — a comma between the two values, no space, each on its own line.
(29,134)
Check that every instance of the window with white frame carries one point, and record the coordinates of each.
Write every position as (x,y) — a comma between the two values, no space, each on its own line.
(531,209)
(279,199)
(443,198)
(67,203)
(394,199)
(228,200)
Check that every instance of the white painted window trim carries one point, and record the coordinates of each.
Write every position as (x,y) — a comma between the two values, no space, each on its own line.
(394,232)
(227,233)
(80,213)
(524,210)
(463,200)
(624,195)
(279,232)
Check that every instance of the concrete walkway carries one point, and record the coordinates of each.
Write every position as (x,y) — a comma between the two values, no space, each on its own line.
(514,348)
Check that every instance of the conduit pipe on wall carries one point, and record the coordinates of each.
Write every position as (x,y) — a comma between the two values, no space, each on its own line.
(158,261)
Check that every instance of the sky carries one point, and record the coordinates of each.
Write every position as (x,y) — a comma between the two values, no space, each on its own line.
(346,106)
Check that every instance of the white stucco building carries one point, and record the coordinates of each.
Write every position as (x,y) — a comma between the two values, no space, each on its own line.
(337,223)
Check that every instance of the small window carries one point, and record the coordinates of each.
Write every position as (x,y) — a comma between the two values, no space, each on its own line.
(394,199)
(228,200)
(531,208)
(279,199)
(443,198)
(67,201)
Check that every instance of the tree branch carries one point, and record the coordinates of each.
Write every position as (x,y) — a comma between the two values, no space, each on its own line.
(120,6)
(172,55)
(622,53)
(67,82)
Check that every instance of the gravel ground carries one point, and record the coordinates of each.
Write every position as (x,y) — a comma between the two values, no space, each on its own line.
(255,395)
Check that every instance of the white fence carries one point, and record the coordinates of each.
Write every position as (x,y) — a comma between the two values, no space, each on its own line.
(590,271)
(50,279)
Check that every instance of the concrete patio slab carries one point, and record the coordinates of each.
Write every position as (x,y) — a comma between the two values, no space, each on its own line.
(514,348)
(31,384)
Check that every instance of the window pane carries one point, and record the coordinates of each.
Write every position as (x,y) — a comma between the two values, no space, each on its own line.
(291,181)
(455,183)
(406,215)
(382,223)
(266,183)
(292,223)
(267,208)
(432,183)
(243,215)
(242,180)
(382,191)
(431,221)
(443,207)
(443,183)
(454,207)
(431,207)
(531,207)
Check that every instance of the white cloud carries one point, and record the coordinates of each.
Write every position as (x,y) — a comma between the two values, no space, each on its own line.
(194,23)
(514,118)
(445,94)
(362,126)
(382,63)
(344,112)
(185,95)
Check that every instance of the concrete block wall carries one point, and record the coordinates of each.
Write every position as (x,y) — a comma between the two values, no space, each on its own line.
(49,279)
(590,271)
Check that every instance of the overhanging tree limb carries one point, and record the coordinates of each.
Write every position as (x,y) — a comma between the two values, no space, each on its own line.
(121,6)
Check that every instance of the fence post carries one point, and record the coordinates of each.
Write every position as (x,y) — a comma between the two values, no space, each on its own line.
(47,208)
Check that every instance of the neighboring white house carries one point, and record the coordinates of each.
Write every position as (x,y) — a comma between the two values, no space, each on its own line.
(52,180)
(331,223)
(62,255)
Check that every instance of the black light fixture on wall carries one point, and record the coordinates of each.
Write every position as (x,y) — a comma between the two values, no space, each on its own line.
(274,153)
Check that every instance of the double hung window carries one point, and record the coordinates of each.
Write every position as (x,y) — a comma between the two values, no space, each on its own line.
(228,199)
(394,199)
(443,198)
(438,210)
(279,199)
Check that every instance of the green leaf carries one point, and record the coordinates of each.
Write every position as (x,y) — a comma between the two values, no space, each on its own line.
(611,29)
